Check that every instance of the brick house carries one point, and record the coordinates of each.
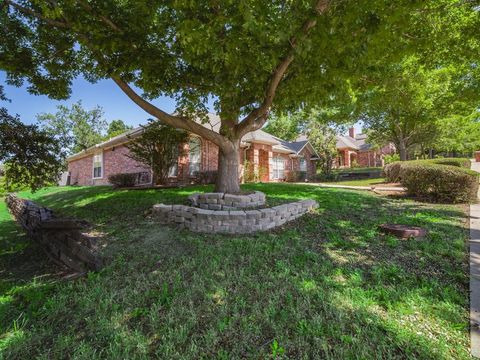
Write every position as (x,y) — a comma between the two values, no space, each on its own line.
(262,155)
(354,150)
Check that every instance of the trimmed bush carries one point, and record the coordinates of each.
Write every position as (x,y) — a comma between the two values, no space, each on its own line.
(391,171)
(206,177)
(123,179)
(444,183)
(295,176)
(459,162)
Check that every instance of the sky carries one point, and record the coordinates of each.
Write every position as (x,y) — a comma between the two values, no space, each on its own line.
(105,93)
(115,104)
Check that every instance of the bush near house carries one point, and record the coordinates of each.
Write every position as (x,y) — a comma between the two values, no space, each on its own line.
(444,183)
(295,176)
(123,179)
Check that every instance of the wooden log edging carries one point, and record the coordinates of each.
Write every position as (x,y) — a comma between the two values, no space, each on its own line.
(61,238)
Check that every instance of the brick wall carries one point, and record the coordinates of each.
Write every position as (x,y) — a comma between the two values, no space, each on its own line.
(114,162)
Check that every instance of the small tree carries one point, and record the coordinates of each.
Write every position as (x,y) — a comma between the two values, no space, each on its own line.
(324,140)
(159,148)
(31,156)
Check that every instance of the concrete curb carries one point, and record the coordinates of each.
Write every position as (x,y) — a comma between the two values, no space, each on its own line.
(474,246)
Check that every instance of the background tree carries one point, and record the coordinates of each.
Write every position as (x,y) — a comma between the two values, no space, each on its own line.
(158,147)
(324,140)
(75,128)
(250,57)
(284,126)
(117,127)
(31,157)
(406,103)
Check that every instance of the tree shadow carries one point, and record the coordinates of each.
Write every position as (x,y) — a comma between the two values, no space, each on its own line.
(326,285)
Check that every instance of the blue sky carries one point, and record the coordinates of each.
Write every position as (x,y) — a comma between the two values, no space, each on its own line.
(114,102)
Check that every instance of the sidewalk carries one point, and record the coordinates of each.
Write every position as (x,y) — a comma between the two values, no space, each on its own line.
(475,274)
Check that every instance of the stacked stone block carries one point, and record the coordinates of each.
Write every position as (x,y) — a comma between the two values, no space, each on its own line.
(231,221)
(222,201)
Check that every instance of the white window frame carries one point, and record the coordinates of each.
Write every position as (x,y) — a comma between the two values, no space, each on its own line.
(303,160)
(198,164)
(276,169)
(101,166)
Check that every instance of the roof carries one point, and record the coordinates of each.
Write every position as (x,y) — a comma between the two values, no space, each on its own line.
(213,123)
(346,142)
(357,143)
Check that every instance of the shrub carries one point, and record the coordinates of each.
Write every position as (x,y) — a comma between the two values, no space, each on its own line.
(445,183)
(123,179)
(295,176)
(206,177)
(391,158)
(391,171)
(459,162)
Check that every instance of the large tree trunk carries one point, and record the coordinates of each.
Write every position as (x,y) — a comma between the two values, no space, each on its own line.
(228,162)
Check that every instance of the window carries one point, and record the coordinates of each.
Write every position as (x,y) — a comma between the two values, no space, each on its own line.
(302,163)
(278,167)
(97,166)
(174,169)
(194,155)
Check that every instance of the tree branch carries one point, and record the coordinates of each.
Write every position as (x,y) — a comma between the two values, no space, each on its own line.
(27,11)
(172,120)
(104,19)
(257,117)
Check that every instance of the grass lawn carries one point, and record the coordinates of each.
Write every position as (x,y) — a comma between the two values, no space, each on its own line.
(328,285)
(362,182)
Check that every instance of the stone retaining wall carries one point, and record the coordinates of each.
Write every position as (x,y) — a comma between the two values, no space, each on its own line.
(232,221)
(221,201)
(60,238)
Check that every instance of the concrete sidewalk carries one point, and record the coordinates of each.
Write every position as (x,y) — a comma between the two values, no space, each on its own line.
(475,274)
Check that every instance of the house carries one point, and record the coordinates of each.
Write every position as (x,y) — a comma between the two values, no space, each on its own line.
(353,150)
(264,155)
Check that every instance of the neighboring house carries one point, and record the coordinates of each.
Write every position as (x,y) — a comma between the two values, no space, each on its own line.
(353,150)
(271,158)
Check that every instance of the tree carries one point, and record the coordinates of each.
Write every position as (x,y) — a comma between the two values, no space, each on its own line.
(459,134)
(158,147)
(406,103)
(75,128)
(31,157)
(284,126)
(117,127)
(251,57)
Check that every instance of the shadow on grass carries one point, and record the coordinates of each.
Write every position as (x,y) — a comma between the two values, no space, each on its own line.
(326,285)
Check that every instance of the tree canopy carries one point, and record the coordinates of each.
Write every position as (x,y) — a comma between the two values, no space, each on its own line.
(32,158)
(408,104)
(251,56)
(117,127)
(74,127)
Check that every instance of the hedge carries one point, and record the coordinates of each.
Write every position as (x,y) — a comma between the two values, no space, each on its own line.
(123,179)
(438,182)
(392,170)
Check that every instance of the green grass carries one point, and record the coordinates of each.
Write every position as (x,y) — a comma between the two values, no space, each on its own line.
(356,170)
(328,285)
(363,182)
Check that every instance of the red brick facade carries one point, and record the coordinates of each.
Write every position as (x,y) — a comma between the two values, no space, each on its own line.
(260,156)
